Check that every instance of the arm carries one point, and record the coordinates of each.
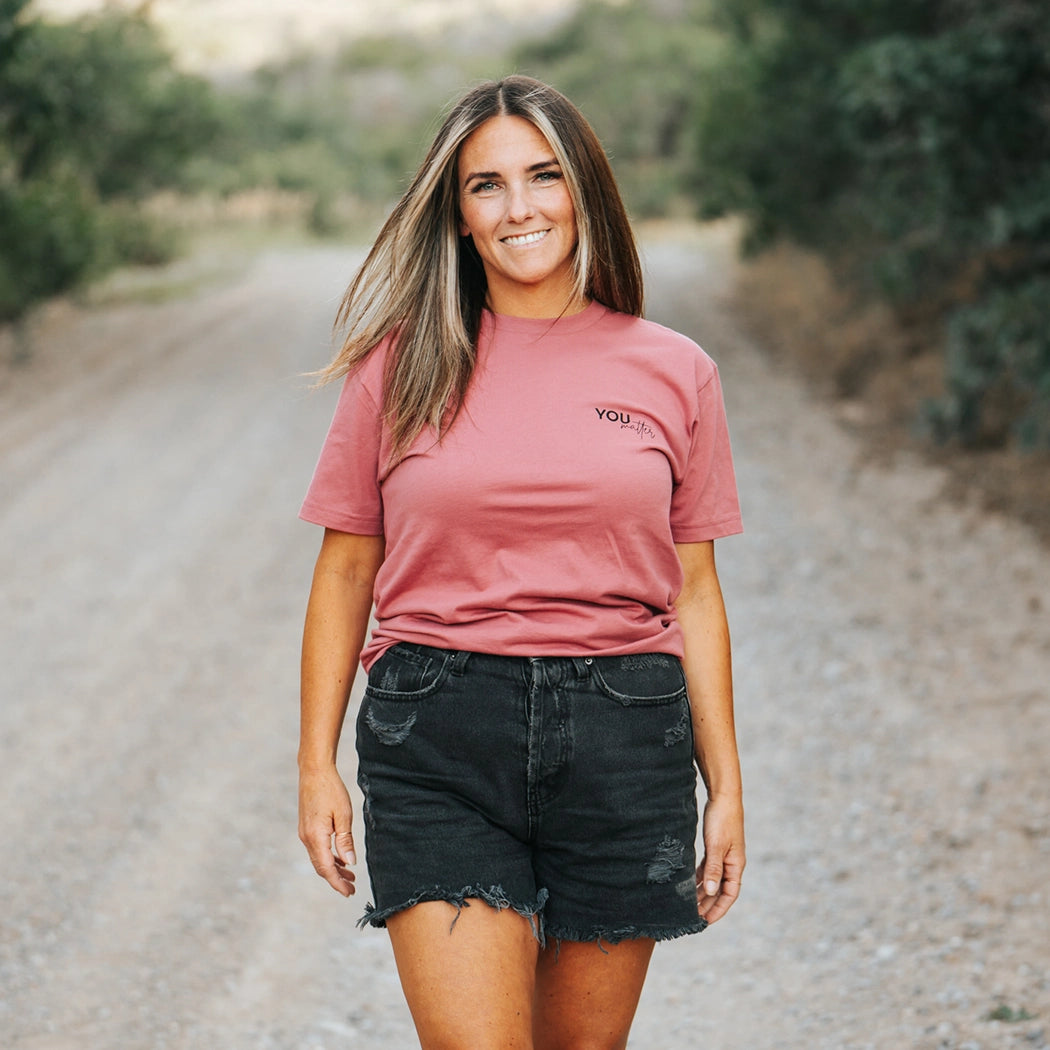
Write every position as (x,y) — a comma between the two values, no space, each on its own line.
(336,622)
(708,672)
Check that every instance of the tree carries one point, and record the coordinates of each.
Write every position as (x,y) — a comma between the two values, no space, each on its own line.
(633,70)
(92,114)
(912,136)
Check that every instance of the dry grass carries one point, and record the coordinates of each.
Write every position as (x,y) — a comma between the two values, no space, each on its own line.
(877,371)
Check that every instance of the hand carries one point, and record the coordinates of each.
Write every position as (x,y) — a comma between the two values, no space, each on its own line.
(325,816)
(719,874)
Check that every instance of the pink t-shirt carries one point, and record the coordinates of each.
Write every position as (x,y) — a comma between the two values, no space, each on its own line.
(544,521)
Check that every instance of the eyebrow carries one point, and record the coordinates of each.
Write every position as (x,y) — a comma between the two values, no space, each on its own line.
(485,175)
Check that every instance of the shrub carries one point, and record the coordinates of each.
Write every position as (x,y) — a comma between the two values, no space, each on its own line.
(93,115)
(910,141)
(51,237)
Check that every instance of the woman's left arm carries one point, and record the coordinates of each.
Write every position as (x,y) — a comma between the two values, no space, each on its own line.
(709,676)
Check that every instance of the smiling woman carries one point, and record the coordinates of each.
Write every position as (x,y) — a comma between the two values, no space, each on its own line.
(519,213)
(528,478)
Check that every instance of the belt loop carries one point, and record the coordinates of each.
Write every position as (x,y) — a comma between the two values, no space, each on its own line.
(459,661)
(583,667)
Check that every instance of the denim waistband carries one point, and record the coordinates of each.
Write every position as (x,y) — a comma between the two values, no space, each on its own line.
(462,657)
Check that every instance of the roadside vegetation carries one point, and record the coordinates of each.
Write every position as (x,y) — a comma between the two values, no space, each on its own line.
(908,142)
(904,142)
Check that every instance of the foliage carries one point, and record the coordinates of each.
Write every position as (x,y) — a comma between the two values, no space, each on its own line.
(1006,1013)
(92,115)
(352,122)
(633,69)
(912,136)
(357,121)
(998,368)
(101,93)
(50,235)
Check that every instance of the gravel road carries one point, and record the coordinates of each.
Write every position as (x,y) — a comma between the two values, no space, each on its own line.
(893,673)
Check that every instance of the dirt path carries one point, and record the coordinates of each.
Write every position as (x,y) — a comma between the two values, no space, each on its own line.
(893,661)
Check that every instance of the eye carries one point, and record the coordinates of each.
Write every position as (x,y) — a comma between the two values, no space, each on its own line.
(549,176)
(483,187)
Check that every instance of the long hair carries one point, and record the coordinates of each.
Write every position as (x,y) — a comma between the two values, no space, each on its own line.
(423,284)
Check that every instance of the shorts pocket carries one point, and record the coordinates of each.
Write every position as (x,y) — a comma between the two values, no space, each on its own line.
(406,673)
(642,678)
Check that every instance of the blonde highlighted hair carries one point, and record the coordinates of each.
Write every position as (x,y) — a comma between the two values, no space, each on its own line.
(424,283)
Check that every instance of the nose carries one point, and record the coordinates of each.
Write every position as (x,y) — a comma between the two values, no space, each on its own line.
(520,207)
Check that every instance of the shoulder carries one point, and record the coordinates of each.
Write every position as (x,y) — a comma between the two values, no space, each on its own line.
(368,373)
(662,347)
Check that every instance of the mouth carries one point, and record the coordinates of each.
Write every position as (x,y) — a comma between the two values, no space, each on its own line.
(525,238)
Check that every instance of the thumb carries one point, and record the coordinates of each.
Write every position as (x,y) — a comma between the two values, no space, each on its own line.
(344,846)
(711,876)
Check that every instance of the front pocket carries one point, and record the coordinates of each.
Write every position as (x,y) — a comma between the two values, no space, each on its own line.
(643,678)
(404,674)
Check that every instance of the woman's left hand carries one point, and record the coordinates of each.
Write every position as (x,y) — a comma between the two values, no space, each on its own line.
(718,877)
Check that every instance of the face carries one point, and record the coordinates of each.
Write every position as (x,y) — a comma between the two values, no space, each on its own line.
(515,204)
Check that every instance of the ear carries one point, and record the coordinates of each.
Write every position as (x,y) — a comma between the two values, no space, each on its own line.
(464,230)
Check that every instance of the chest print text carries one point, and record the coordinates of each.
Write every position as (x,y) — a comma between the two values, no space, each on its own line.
(638,425)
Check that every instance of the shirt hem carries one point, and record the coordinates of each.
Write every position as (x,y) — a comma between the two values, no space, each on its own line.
(341,522)
(718,531)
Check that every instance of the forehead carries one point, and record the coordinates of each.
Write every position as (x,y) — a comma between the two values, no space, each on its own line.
(503,142)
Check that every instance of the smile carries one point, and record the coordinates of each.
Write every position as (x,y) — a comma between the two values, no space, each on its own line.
(526,238)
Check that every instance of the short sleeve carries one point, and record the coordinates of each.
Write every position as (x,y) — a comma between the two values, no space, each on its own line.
(705,504)
(344,493)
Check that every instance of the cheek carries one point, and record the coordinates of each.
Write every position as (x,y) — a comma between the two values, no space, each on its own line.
(568,211)
(471,218)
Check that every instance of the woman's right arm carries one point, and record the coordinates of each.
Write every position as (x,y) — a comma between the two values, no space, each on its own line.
(336,623)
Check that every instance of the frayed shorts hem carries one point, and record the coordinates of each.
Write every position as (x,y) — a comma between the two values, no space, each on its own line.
(494,897)
(614,934)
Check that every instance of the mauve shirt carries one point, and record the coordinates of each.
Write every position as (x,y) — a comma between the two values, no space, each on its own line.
(543,522)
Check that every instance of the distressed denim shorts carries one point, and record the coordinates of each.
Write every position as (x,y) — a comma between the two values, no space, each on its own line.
(562,788)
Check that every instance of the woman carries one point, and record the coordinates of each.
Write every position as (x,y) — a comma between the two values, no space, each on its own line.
(529,478)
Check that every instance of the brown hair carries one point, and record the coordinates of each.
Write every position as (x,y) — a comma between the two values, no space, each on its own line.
(422,282)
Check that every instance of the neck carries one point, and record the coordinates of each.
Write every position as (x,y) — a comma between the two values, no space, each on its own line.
(539,305)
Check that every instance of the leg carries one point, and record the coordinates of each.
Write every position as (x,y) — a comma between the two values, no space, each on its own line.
(585,998)
(470,988)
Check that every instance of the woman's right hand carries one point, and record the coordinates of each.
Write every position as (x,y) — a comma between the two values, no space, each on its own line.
(336,622)
(325,816)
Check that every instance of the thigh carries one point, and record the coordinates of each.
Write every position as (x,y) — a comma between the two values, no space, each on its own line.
(468,974)
(586,994)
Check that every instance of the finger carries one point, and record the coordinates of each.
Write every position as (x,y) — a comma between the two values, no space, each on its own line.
(336,874)
(704,900)
(714,909)
(709,875)
(344,846)
(343,882)
(318,842)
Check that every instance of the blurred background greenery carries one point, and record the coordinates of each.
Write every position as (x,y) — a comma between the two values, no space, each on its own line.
(906,142)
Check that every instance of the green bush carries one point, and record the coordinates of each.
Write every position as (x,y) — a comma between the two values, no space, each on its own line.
(998,369)
(93,116)
(132,238)
(910,141)
(101,93)
(633,69)
(51,237)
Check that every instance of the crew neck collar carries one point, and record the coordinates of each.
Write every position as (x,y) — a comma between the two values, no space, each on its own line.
(537,326)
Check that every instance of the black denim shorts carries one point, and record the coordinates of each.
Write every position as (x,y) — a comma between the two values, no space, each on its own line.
(563,788)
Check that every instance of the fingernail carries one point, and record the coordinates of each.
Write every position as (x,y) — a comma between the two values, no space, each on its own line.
(711,888)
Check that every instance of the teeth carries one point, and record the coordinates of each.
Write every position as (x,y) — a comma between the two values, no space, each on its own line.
(526,238)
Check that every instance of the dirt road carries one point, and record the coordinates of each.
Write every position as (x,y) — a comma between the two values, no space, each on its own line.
(893,669)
